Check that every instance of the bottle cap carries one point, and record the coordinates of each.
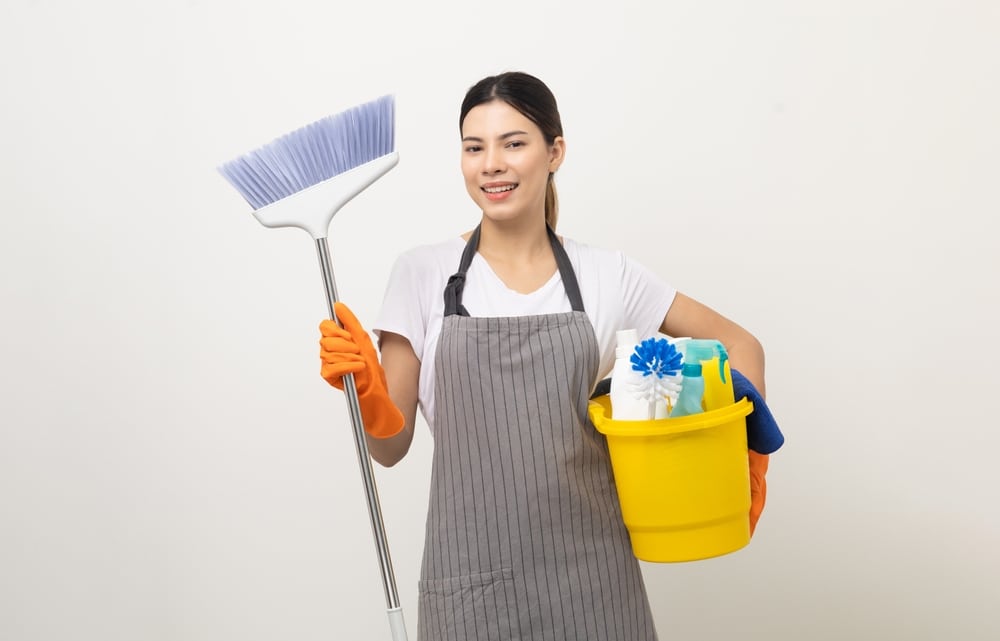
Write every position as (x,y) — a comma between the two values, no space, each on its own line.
(691,369)
(627,337)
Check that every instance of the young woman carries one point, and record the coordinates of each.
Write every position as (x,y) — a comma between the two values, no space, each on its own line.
(499,337)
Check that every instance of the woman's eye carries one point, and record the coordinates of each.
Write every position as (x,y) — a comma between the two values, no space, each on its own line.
(515,143)
(472,148)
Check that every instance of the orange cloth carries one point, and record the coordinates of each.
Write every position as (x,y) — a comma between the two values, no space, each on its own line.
(348,349)
(758,486)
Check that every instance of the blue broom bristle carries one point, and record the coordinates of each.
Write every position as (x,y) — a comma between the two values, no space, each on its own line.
(314,153)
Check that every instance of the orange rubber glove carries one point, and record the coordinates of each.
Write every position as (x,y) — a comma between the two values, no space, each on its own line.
(758,486)
(349,350)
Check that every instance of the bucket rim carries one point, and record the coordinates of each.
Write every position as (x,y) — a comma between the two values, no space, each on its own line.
(663,426)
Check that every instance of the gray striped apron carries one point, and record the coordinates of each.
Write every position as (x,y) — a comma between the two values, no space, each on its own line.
(524,537)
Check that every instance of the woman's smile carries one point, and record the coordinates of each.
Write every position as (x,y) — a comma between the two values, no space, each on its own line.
(498,191)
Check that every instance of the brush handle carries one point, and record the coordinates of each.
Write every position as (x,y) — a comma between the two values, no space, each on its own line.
(364,460)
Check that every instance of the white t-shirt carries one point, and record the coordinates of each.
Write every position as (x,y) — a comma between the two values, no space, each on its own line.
(618,293)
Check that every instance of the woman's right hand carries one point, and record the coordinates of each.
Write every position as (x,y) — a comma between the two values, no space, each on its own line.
(348,349)
(340,352)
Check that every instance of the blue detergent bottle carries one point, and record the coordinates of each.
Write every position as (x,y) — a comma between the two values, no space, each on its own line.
(692,390)
(715,371)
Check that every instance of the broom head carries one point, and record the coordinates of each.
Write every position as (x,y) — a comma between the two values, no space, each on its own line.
(304,177)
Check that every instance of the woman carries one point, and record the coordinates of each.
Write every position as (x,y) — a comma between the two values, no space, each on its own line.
(499,336)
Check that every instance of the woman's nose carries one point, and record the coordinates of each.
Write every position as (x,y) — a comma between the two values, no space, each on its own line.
(493,161)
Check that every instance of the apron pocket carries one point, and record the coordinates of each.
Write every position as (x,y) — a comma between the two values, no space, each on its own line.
(474,606)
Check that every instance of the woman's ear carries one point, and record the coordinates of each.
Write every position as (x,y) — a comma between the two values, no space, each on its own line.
(557,152)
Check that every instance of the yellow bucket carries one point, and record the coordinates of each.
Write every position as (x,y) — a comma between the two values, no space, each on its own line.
(683,483)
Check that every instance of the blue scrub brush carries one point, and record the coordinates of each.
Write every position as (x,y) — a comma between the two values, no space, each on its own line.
(301,180)
(659,363)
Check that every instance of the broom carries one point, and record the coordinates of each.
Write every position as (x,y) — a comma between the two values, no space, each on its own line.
(301,180)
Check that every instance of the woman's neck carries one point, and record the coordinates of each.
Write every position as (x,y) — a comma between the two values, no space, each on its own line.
(517,241)
(519,254)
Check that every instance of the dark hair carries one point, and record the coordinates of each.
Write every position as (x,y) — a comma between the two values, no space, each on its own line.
(534,101)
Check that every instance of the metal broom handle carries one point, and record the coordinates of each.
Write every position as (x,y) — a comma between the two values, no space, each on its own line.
(367,475)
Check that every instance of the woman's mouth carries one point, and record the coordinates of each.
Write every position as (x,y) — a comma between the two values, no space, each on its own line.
(498,191)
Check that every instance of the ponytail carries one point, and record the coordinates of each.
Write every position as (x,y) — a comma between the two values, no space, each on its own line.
(551,203)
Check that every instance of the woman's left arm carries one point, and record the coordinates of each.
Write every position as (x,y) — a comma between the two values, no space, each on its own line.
(688,317)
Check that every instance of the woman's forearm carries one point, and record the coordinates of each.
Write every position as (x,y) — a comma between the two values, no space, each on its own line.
(747,355)
(402,376)
(389,451)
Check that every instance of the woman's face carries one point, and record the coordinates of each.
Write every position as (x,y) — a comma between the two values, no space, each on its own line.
(506,161)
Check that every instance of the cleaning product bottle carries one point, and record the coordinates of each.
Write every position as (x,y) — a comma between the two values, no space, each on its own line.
(692,391)
(626,405)
(715,371)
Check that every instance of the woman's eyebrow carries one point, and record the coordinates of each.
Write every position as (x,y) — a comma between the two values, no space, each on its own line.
(517,132)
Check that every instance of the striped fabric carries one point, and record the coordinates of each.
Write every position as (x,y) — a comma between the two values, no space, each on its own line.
(525,538)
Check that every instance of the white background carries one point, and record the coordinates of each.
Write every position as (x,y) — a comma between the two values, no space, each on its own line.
(173,468)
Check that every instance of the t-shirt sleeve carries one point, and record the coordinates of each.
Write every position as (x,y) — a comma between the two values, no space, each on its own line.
(647,297)
(404,304)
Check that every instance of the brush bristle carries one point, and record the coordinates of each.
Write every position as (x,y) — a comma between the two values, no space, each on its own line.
(314,153)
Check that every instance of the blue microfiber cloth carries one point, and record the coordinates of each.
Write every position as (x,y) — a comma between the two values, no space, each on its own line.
(763,435)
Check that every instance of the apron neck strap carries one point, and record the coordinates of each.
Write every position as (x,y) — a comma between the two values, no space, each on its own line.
(456,282)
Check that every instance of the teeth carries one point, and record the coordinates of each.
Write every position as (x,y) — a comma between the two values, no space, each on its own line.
(497,190)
